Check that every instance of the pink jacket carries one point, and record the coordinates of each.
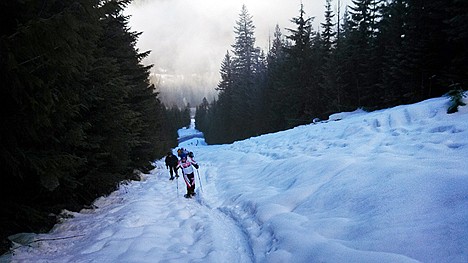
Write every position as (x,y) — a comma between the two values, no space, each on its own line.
(186,166)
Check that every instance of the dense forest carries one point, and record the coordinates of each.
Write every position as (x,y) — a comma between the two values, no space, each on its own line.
(79,115)
(373,54)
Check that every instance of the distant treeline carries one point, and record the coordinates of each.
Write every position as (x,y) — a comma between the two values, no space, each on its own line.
(379,54)
(79,115)
(185,94)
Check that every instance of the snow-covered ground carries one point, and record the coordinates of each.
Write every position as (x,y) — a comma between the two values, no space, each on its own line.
(386,186)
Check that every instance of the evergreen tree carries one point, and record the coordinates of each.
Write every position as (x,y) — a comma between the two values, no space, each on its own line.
(46,53)
(224,125)
(276,78)
(382,53)
(299,75)
(259,101)
(392,33)
(201,118)
(457,22)
(227,74)
(111,135)
(341,98)
(236,115)
(330,69)
(328,33)
(244,60)
(81,115)
(276,51)
(365,15)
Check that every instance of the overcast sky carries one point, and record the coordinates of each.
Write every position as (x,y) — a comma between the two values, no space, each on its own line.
(189,38)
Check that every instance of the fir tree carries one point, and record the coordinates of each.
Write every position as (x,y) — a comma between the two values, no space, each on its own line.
(457,23)
(227,74)
(244,91)
(330,70)
(392,33)
(424,53)
(81,115)
(365,15)
(276,78)
(299,62)
(201,118)
(328,33)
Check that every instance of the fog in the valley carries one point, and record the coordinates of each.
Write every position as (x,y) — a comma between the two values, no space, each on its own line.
(189,38)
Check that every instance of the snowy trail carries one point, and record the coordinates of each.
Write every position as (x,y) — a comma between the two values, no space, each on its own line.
(214,236)
(386,186)
(128,221)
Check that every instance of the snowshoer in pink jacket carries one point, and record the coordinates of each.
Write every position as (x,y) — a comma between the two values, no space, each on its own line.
(187,164)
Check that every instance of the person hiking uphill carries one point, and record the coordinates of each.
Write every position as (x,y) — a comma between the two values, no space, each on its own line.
(182,151)
(187,164)
(171,164)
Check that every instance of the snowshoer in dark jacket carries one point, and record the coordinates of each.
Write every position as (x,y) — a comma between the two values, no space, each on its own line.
(171,164)
(182,151)
(187,164)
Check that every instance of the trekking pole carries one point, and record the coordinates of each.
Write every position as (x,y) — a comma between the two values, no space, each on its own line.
(201,187)
(177,183)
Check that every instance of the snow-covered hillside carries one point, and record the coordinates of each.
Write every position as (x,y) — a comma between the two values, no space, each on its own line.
(386,186)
